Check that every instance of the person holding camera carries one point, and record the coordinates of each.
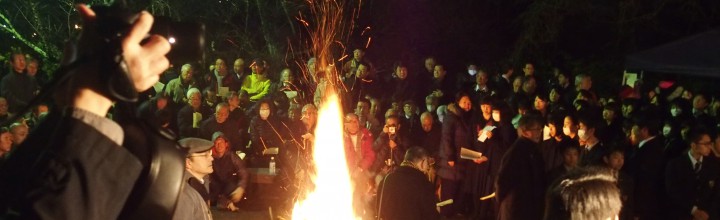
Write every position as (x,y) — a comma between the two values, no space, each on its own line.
(73,166)
(390,146)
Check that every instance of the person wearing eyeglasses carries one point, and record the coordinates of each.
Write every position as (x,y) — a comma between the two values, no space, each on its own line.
(194,200)
(520,184)
(690,179)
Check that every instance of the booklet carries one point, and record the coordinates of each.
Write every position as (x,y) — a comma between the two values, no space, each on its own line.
(483,134)
(469,154)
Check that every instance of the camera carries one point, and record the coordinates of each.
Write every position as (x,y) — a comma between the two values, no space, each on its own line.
(391,129)
(114,22)
(187,39)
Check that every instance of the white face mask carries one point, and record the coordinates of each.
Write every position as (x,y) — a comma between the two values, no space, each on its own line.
(675,112)
(472,72)
(581,134)
(264,114)
(566,131)
(666,131)
(496,116)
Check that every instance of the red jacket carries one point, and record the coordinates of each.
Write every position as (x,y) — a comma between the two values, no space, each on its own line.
(365,158)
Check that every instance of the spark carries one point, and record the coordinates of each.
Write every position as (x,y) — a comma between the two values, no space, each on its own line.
(368,42)
(365,30)
(342,58)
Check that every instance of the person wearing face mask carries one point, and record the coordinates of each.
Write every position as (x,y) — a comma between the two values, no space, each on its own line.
(466,80)
(674,144)
(265,133)
(592,148)
(406,193)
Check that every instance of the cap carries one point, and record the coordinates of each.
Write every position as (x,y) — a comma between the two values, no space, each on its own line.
(218,134)
(195,145)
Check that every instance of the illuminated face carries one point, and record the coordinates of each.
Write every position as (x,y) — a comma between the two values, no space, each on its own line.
(221,115)
(568,123)
(465,104)
(363,108)
(286,76)
(571,157)
(635,135)
(239,65)
(517,83)
(200,163)
(362,72)
(408,109)
(586,83)
(439,72)
(430,64)
(195,100)
(401,72)
(554,96)
(427,123)
(529,69)
(309,114)
(699,102)
(6,142)
(32,69)
(358,54)
(486,109)
(615,160)
(703,146)
(234,101)
(19,134)
(18,62)
(258,68)
(352,125)
(187,75)
(481,78)
(608,114)
(221,67)
(221,146)
(552,130)
(540,104)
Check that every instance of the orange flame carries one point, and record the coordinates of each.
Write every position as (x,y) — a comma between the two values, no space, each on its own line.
(333,193)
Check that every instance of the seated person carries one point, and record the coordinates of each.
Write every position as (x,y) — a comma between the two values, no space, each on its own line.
(230,179)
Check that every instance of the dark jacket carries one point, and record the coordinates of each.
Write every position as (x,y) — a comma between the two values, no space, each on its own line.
(383,152)
(521,184)
(645,166)
(67,169)
(456,133)
(229,173)
(229,128)
(686,188)
(407,194)
(185,122)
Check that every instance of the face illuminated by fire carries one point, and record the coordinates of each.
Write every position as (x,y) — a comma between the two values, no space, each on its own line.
(352,125)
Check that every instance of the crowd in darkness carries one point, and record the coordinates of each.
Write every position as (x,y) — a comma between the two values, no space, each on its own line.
(660,142)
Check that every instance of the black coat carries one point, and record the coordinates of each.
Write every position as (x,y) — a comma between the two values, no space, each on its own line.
(407,194)
(521,184)
(686,189)
(645,166)
(67,169)
(594,156)
(456,133)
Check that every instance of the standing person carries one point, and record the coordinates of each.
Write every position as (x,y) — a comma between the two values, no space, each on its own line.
(194,200)
(456,134)
(74,165)
(690,180)
(521,181)
(17,87)
(645,166)
(406,193)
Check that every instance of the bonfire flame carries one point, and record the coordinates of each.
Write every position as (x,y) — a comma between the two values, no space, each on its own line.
(333,194)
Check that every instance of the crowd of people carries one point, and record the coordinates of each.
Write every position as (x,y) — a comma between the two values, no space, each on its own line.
(660,143)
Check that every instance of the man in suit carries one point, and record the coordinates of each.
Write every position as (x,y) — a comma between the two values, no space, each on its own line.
(520,186)
(644,164)
(690,179)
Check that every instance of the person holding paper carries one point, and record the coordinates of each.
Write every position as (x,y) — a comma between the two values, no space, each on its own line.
(480,175)
(456,134)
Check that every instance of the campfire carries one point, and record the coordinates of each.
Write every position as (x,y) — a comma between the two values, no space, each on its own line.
(331,196)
